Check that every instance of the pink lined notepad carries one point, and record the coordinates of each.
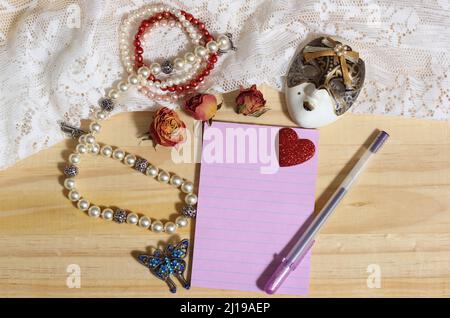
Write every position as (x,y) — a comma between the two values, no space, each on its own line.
(249,209)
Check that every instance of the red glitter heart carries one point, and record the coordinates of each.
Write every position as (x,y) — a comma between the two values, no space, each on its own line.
(292,150)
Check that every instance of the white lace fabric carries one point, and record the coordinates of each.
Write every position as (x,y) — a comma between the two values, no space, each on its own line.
(57,57)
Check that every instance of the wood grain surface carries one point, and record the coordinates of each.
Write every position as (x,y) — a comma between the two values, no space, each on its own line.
(396,217)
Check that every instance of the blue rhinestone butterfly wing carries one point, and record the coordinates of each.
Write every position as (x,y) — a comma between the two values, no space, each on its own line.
(178,265)
(179,251)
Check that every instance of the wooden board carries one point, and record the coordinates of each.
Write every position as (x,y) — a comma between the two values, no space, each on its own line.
(397,217)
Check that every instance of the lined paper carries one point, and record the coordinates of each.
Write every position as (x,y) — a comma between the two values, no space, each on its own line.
(246,217)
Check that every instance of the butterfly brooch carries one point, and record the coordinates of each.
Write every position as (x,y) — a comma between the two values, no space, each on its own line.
(170,262)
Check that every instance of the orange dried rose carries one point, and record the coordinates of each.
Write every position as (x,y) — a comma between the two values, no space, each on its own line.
(167,129)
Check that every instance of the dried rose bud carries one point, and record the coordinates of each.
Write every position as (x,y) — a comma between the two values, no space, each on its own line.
(201,106)
(251,102)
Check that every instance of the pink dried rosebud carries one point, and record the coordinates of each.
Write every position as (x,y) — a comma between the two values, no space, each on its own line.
(201,106)
(167,129)
(251,102)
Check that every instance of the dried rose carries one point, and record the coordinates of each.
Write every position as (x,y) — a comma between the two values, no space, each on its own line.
(202,106)
(250,102)
(167,129)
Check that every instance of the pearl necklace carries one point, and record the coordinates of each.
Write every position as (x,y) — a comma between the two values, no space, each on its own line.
(87,144)
(191,69)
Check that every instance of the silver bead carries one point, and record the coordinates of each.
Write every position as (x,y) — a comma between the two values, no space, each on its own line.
(191,199)
(71,171)
(132,218)
(118,154)
(75,158)
(181,221)
(163,176)
(94,211)
(144,222)
(157,227)
(74,195)
(95,127)
(187,187)
(107,214)
(106,151)
(81,148)
(90,139)
(176,180)
(130,160)
(151,171)
(83,204)
(69,183)
(170,227)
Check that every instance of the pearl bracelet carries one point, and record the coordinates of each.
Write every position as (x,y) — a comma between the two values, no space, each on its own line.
(87,144)
(190,70)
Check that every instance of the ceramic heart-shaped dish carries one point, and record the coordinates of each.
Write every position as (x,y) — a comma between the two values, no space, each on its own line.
(293,150)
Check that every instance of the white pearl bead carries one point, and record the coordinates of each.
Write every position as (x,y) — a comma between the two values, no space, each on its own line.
(200,51)
(130,160)
(144,222)
(170,227)
(187,187)
(191,199)
(155,68)
(113,94)
(152,171)
(144,71)
(69,183)
(157,226)
(106,151)
(82,149)
(83,204)
(122,86)
(81,139)
(132,218)
(224,42)
(75,158)
(95,127)
(189,57)
(133,79)
(107,214)
(176,180)
(94,149)
(212,46)
(178,63)
(94,211)
(118,154)
(74,195)
(181,221)
(90,139)
(163,176)
(100,115)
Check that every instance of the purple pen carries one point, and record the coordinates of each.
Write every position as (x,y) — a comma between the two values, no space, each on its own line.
(295,256)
